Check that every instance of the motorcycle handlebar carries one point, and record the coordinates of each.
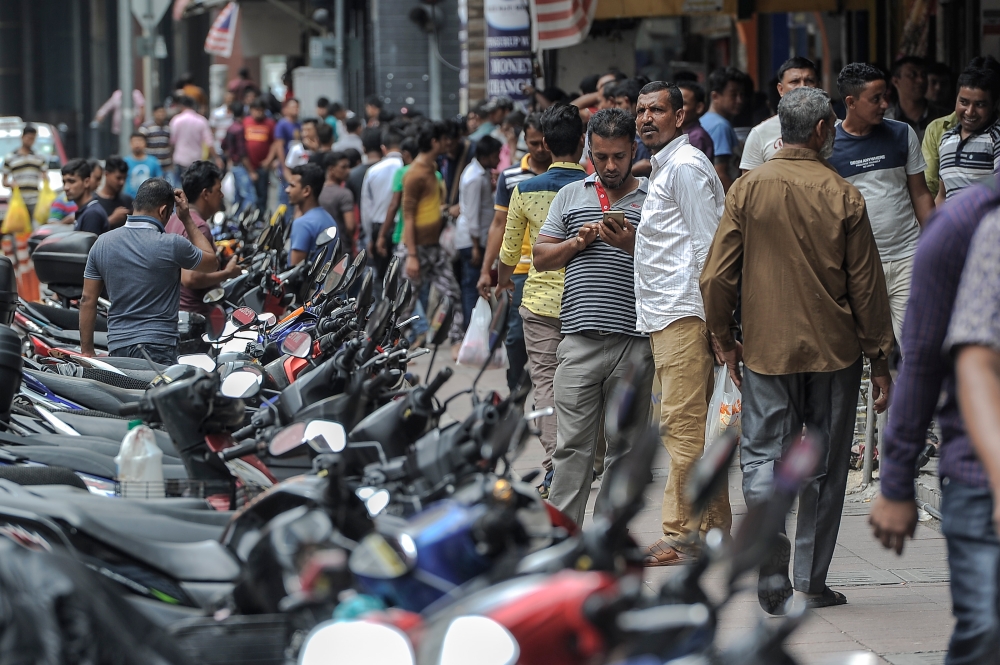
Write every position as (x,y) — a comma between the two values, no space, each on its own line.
(243,433)
(424,398)
(240,450)
(133,409)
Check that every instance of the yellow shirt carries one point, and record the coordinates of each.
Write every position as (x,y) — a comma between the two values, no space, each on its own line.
(931,149)
(509,179)
(529,206)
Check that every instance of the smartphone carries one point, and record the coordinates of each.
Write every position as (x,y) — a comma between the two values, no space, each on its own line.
(616,217)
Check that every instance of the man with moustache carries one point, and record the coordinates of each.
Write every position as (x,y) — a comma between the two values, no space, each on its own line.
(679,218)
(600,342)
(807,321)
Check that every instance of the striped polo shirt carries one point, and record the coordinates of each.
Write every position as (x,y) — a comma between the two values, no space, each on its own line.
(26,172)
(529,206)
(968,161)
(508,180)
(599,293)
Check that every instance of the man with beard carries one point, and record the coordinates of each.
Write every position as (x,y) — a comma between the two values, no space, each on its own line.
(807,321)
(590,230)
(679,218)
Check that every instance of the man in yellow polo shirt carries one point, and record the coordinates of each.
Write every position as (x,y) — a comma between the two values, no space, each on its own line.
(562,129)
(537,161)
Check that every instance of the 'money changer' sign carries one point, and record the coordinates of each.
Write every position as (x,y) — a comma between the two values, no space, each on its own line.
(508,48)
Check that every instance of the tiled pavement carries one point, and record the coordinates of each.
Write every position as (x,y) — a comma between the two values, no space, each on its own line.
(898,606)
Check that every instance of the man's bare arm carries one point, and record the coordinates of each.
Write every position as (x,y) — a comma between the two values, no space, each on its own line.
(553,254)
(92,289)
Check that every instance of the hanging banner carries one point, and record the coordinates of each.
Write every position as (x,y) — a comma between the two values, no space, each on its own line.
(463,45)
(508,48)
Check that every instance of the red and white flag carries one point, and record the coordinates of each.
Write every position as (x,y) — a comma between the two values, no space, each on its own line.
(561,23)
(220,36)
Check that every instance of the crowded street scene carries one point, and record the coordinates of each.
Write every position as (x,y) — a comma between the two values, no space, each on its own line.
(498,332)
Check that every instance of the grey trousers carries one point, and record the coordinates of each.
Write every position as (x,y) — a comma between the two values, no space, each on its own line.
(775,409)
(590,365)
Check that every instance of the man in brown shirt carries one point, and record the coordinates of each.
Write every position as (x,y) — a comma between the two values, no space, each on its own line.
(426,261)
(814,300)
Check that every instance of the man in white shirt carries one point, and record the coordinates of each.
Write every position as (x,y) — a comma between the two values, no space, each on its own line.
(765,139)
(679,218)
(475,202)
(351,138)
(376,189)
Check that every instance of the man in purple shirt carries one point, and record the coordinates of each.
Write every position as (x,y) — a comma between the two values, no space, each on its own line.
(202,184)
(694,106)
(287,131)
(973,549)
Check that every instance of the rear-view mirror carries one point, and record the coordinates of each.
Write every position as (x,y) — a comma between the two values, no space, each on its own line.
(297,344)
(241,384)
(218,218)
(325,436)
(498,327)
(287,440)
(439,321)
(336,275)
(267,318)
(365,293)
(403,295)
(326,236)
(199,360)
(243,316)
(214,295)
(390,283)
(376,327)
(711,473)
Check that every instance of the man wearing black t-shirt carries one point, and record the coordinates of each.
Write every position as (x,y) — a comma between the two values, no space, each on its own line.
(90,216)
(116,203)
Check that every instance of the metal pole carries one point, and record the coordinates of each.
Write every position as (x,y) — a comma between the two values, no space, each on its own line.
(434,74)
(866,479)
(147,74)
(126,81)
(338,34)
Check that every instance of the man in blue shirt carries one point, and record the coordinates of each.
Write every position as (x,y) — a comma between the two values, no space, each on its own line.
(141,267)
(90,216)
(304,186)
(141,165)
(727,86)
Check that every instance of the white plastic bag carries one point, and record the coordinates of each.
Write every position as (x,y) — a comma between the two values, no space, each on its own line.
(140,463)
(476,345)
(229,187)
(726,407)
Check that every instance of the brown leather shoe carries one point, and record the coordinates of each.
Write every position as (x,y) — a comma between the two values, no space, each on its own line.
(661,554)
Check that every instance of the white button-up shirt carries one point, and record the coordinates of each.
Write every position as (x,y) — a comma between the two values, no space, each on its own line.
(679,218)
(376,192)
(475,200)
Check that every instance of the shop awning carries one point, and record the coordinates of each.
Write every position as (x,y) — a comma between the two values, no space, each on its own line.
(612,9)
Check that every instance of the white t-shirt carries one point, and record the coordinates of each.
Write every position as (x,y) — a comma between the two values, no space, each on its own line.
(764,140)
(297,155)
(878,164)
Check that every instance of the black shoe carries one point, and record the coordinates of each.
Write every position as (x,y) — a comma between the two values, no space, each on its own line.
(773,586)
(829,598)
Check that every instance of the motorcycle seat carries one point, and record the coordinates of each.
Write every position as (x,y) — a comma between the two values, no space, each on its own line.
(86,457)
(73,336)
(113,430)
(87,392)
(67,319)
(133,364)
(188,551)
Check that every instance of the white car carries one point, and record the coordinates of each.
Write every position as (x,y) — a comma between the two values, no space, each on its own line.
(48,144)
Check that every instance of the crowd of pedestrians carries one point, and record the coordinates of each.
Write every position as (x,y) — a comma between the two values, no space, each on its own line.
(636,232)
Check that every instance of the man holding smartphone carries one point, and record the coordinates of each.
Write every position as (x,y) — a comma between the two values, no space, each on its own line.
(679,218)
(589,231)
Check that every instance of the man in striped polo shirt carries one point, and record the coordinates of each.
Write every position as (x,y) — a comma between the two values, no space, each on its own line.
(600,341)
(537,161)
(562,129)
(24,169)
(970,151)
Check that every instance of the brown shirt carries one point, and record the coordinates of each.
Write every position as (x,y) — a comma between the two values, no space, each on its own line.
(422,202)
(814,295)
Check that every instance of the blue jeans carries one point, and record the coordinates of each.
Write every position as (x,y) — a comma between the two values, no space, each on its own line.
(517,354)
(158,353)
(974,562)
(263,180)
(470,277)
(245,193)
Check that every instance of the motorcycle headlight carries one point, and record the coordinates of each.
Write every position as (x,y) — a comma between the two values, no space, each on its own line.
(476,639)
(356,643)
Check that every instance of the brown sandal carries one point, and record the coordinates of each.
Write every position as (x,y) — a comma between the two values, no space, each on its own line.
(661,554)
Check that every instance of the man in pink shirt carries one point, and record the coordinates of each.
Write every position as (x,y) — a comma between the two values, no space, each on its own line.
(190,134)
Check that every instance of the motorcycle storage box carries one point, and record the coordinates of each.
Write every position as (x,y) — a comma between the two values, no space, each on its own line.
(46,231)
(8,291)
(61,258)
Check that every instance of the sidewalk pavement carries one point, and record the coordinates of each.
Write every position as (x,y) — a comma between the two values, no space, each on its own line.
(898,607)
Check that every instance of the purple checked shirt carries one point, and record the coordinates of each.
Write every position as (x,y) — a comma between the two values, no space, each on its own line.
(926,371)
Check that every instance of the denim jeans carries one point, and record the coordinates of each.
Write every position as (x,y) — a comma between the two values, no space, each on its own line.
(245,193)
(263,180)
(470,294)
(974,562)
(158,353)
(517,353)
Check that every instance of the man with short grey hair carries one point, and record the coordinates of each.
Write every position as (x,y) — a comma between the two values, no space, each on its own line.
(808,318)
